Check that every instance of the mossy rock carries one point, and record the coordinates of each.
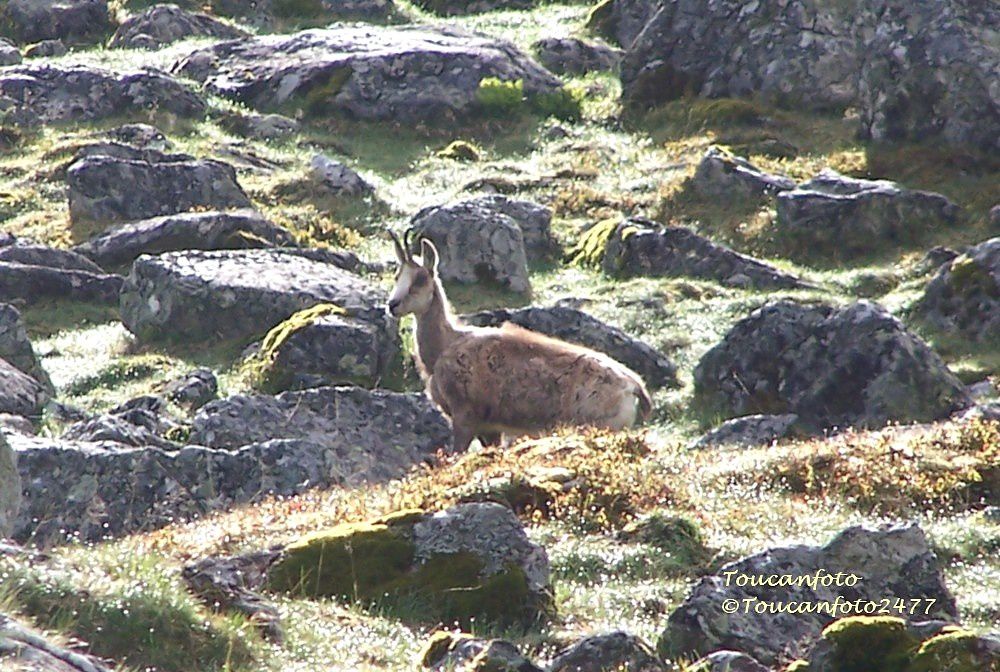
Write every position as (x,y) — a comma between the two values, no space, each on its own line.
(953,650)
(678,536)
(969,278)
(600,19)
(798,666)
(317,101)
(866,643)
(592,244)
(460,150)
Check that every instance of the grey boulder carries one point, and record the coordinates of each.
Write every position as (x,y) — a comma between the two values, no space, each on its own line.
(639,247)
(610,651)
(16,348)
(20,394)
(28,650)
(207,295)
(964,296)
(9,54)
(749,431)
(842,217)
(408,73)
(108,189)
(75,21)
(578,327)
(465,653)
(42,255)
(572,56)
(33,95)
(46,49)
(858,564)
(833,367)
(10,489)
(337,178)
(721,174)
(194,389)
(620,21)
(163,24)
(204,230)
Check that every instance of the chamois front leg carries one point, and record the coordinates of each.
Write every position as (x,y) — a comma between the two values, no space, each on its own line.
(462,432)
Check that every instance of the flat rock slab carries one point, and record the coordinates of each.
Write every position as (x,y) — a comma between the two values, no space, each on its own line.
(208,230)
(16,348)
(408,73)
(20,394)
(640,247)
(33,95)
(841,217)
(30,284)
(890,563)
(28,650)
(833,367)
(163,24)
(964,295)
(578,327)
(206,295)
(374,434)
(749,431)
(42,255)
(721,174)
(109,189)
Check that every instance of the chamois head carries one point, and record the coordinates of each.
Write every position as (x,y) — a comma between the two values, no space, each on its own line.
(415,281)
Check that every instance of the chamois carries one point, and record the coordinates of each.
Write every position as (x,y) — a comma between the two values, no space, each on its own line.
(507,380)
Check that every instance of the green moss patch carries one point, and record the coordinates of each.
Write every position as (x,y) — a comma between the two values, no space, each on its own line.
(678,536)
(954,650)
(590,247)
(460,150)
(866,643)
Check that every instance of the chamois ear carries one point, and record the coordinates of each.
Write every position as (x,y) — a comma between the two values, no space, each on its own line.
(400,252)
(428,256)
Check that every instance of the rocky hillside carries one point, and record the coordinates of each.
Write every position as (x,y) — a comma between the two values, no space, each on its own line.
(215,450)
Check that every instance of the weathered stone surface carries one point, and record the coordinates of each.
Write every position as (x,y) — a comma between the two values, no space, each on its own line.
(46,49)
(620,21)
(364,435)
(136,427)
(29,284)
(475,246)
(572,56)
(262,13)
(17,424)
(9,54)
(891,562)
(459,652)
(42,255)
(143,136)
(641,247)
(337,178)
(578,327)
(721,174)
(612,651)
(120,150)
(43,94)
(107,189)
(16,348)
(163,24)
(463,7)
(230,584)
(262,126)
(324,345)
(76,21)
(471,562)
(839,216)
(749,431)
(409,73)
(235,293)
(833,367)
(727,661)
(10,489)
(20,394)
(193,389)
(206,230)
(929,69)
(964,295)
(29,651)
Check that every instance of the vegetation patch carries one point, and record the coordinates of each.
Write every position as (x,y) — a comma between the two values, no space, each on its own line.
(863,643)
(460,150)
(125,370)
(505,99)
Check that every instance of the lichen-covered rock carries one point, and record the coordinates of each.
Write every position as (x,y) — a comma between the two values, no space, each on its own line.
(837,216)
(475,244)
(108,189)
(727,661)
(534,220)
(366,435)
(231,583)
(10,488)
(163,24)
(928,70)
(46,49)
(472,561)
(16,348)
(42,255)
(852,366)
(142,136)
(639,247)
(29,651)
(606,652)
(858,564)
(9,54)
(890,643)
(45,94)
(578,327)
(749,431)
(260,446)
(193,389)
(324,345)
(206,230)
(207,295)
(262,126)
(30,284)
(75,21)
(721,174)
(964,296)
(20,394)
(138,428)
(460,652)
(620,21)
(572,56)
(337,178)
(408,73)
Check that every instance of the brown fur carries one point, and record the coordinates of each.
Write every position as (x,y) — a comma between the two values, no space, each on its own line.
(511,380)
